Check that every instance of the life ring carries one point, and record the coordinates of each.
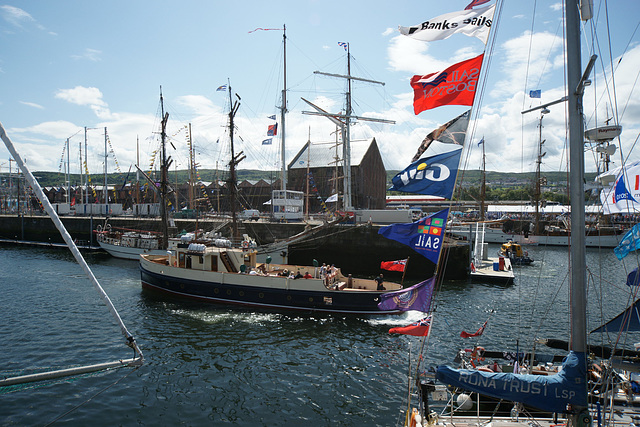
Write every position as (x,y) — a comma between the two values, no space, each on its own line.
(245,245)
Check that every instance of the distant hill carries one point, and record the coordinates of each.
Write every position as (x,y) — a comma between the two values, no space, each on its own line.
(468,178)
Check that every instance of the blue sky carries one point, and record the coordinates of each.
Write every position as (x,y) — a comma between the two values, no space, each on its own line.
(65,65)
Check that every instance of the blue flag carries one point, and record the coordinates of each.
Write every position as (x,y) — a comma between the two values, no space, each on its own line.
(435,175)
(416,297)
(424,236)
(535,93)
(630,242)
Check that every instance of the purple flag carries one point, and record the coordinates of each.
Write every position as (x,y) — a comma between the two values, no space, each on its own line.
(416,297)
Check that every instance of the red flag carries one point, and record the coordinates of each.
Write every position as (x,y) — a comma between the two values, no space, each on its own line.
(73,202)
(417,329)
(477,333)
(475,3)
(394,265)
(272,130)
(454,86)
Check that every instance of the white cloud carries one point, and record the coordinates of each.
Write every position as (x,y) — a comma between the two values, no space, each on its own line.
(17,17)
(89,54)
(90,96)
(32,104)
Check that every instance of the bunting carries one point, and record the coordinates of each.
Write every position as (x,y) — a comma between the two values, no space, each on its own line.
(434,176)
(424,236)
(455,85)
(452,132)
(472,23)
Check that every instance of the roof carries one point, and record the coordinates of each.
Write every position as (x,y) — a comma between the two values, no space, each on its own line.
(324,155)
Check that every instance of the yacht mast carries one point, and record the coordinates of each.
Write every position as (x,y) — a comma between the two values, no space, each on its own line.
(233,180)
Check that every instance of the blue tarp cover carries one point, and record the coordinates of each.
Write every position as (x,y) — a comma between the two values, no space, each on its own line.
(548,393)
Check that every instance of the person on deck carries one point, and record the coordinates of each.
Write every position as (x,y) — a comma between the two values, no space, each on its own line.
(379,281)
(307,275)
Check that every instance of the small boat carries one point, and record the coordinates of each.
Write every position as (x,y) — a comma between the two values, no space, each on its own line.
(128,244)
(218,273)
(515,253)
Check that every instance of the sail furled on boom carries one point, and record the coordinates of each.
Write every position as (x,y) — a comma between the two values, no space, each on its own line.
(546,392)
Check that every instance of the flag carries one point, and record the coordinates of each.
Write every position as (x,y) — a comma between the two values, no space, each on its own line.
(344,45)
(452,132)
(475,3)
(472,23)
(435,175)
(272,130)
(629,243)
(633,279)
(266,141)
(454,86)
(477,333)
(222,88)
(73,202)
(624,195)
(332,198)
(535,93)
(418,329)
(424,236)
(272,117)
(416,297)
(394,265)
(481,142)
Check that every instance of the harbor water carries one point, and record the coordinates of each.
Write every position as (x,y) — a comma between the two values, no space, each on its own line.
(215,365)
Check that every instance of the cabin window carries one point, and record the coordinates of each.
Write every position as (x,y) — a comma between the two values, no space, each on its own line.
(181,260)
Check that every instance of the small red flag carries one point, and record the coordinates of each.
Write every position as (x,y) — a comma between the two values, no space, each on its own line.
(454,86)
(477,333)
(272,130)
(394,265)
(417,329)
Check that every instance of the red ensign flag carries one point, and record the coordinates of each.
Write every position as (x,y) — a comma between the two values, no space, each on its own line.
(454,86)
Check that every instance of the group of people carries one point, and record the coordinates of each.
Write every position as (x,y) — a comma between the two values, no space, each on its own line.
(298,275)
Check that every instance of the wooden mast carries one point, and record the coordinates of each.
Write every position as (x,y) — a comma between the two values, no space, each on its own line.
(164,180)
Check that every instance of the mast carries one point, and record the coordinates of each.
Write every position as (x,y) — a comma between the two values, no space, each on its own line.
(538,192)
(283,112)
(233,180)
(164,166)
(106,191)
(137,170)
(578,297)
(344,122)
(191,169)
(483,185)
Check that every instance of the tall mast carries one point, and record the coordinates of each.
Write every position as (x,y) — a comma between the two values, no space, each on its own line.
(344,121)
(537,192)
(137,170)
(283,112)
(233,180)
(483,184)
(106,191)
(575,89)
(164,175)
(191,169)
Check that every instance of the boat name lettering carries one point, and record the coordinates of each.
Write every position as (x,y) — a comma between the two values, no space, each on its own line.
(513,386)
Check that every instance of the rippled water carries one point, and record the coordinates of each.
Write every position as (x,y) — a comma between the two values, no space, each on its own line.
(211,365)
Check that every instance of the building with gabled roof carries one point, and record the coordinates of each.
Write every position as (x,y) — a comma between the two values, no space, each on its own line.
(324,162)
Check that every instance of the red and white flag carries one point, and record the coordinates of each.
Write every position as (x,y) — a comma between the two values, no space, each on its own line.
(394,265)
(454,86)
(477,333)
(417,329)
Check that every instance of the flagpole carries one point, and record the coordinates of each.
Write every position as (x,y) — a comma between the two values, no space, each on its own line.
(406,264)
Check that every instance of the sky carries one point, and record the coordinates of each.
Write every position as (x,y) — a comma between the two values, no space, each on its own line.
(67,65)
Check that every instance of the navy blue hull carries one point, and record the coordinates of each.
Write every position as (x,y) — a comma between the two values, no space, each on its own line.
(348,302)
